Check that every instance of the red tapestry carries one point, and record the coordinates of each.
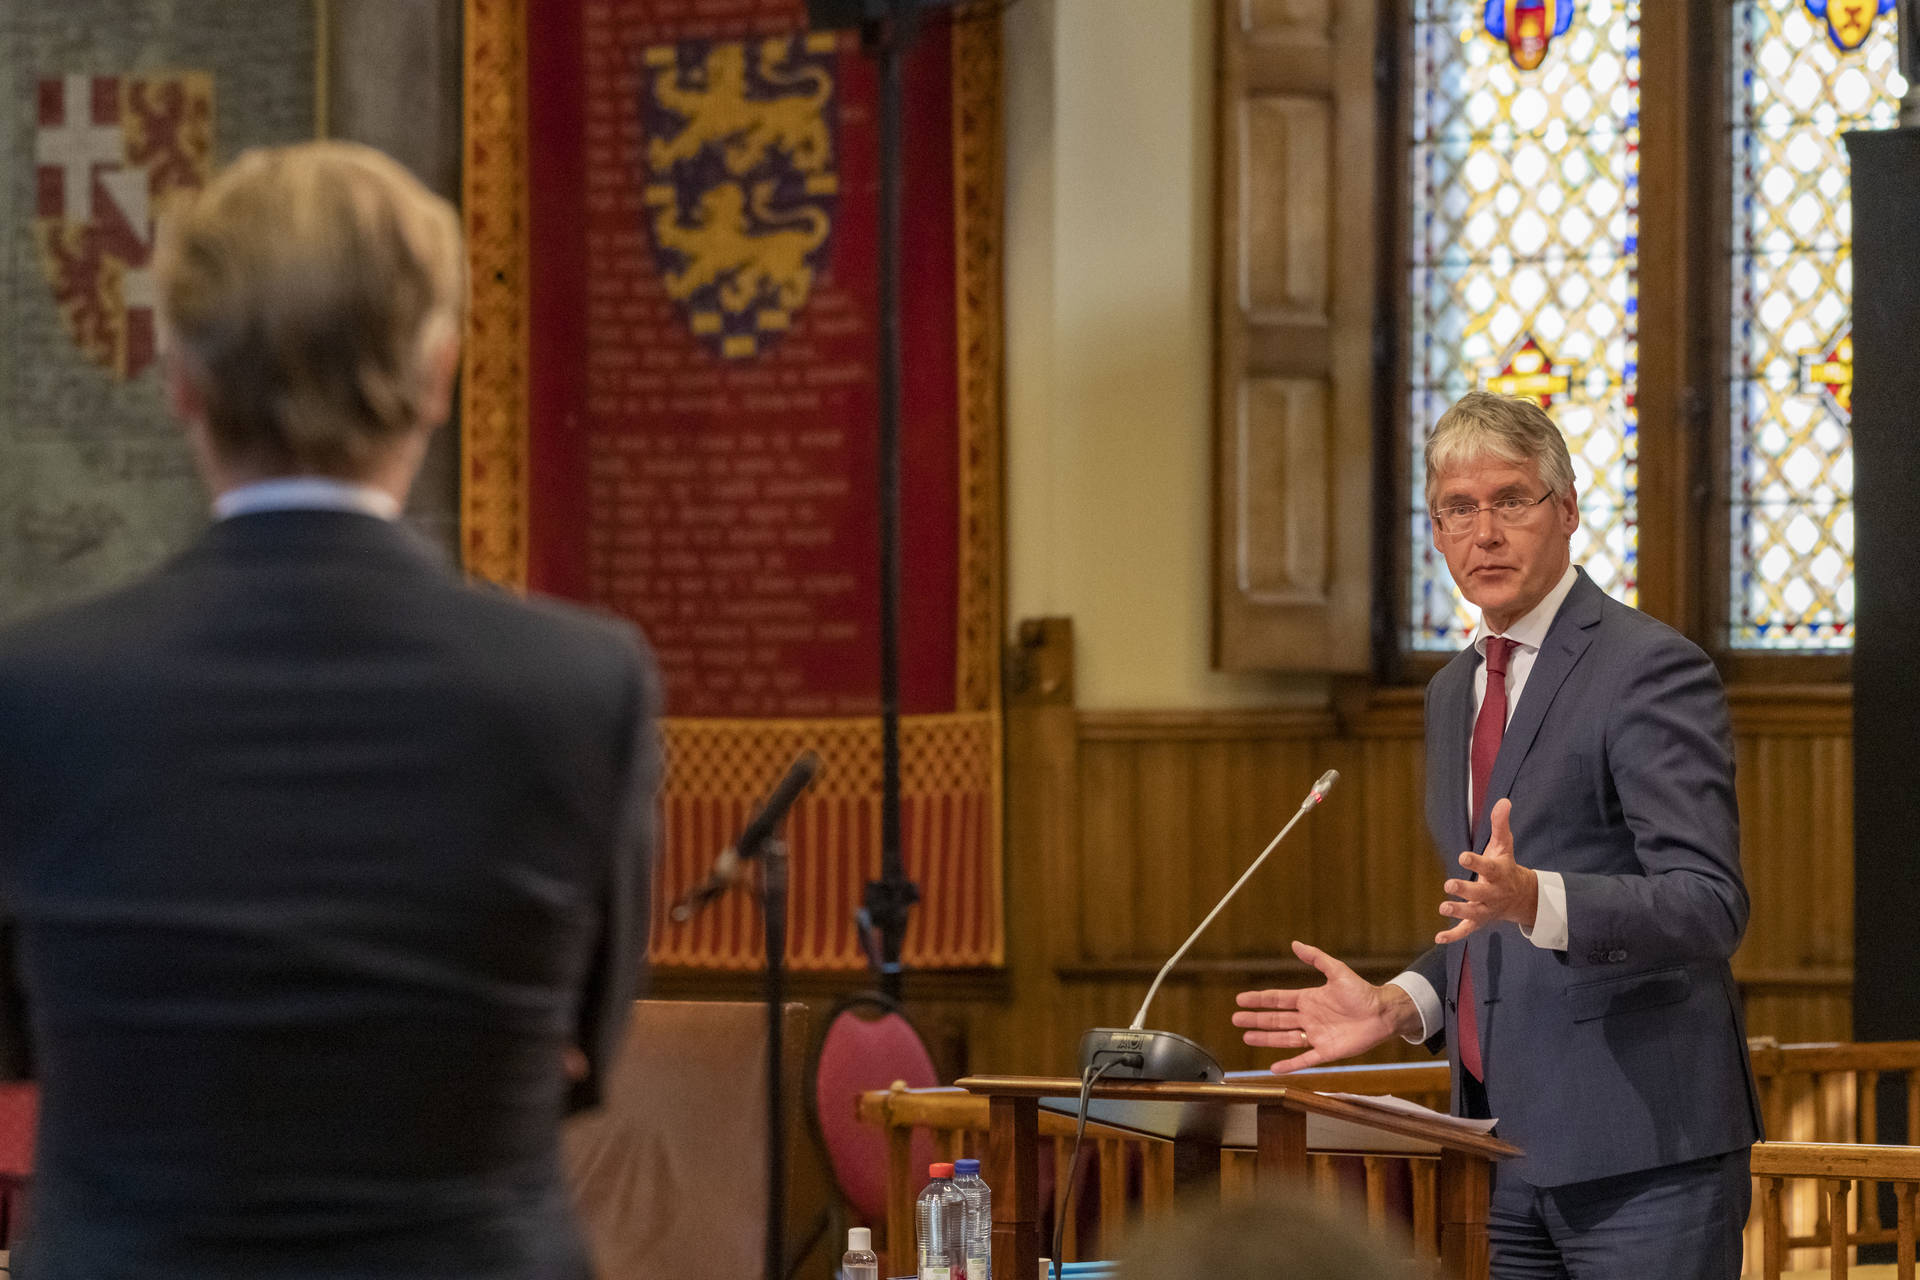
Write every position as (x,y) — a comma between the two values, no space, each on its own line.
(671,405)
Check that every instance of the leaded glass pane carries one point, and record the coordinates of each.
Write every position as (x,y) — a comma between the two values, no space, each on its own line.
(1524,185)
(1801,77)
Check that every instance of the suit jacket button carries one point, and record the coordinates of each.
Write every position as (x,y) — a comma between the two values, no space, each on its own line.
(1616,956)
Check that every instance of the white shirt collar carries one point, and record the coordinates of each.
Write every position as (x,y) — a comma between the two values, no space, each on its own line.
(1531,630)
(305,493)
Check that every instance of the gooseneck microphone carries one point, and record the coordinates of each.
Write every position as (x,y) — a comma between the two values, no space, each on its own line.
(731,864)
(1132,1053)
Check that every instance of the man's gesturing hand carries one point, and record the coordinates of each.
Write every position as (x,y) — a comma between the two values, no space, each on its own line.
(1345,1016)
(1505,890)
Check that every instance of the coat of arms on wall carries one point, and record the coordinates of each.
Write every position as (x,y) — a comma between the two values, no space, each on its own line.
(1849,22)
(107,151)
(742,181)
(1528,27)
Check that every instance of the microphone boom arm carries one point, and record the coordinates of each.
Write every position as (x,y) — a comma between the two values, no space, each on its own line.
(1314,797)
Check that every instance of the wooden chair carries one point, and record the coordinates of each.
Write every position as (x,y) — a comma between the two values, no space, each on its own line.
(669,1177)
(1834,1169)
(868,1043)
(1828,1094)
(19,1121)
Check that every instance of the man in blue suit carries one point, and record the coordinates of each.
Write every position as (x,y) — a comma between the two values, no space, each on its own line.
(1579,753)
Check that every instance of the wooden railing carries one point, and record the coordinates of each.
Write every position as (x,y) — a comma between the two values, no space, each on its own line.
(958,1123)
(1809,1093)
(1835,1168)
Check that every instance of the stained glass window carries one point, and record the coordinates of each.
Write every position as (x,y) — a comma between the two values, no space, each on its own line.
(1524,181)
(1804,72)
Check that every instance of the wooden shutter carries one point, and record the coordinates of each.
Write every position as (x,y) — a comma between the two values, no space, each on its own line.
(1294,447)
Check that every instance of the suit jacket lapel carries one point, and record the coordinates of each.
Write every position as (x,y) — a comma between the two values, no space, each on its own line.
(1453,710)
(1567,639)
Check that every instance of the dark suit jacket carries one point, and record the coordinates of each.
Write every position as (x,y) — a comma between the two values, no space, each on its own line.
(319,859)
(1626,1051)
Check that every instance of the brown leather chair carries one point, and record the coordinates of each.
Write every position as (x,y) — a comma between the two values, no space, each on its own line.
(670,1175)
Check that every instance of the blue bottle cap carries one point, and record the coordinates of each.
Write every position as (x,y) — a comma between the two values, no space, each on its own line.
(966,1166)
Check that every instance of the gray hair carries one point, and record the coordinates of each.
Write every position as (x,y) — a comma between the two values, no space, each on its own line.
(1482,424)
(1291,1234)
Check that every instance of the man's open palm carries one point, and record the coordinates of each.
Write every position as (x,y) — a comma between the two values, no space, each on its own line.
(1344,1016)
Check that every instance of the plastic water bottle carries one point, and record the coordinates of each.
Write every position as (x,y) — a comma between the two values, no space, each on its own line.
(859,1262)
(978,1228)
(939,1225)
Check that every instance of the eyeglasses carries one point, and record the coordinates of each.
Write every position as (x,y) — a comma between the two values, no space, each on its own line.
(1463,517)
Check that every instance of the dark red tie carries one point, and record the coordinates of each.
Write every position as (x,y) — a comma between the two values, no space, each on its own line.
(1488,729)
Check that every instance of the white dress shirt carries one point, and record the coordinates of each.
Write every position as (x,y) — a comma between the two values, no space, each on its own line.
(305,493)
(1550,918)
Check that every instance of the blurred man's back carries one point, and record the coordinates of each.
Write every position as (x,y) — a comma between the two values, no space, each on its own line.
(323,863)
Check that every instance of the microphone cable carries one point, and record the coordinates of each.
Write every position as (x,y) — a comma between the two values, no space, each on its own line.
(1088,1078)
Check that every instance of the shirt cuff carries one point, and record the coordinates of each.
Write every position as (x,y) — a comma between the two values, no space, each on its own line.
(1549,930)
(1425,1003)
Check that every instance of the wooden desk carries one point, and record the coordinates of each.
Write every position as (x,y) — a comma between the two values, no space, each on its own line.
(1279,1131)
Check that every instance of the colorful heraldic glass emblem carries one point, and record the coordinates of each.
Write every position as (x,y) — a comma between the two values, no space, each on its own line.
(1849,22)
(1528,27)
(1525,224)
(1803,74)
(1827,371)
(742,181)
(1525,371)
(107,150)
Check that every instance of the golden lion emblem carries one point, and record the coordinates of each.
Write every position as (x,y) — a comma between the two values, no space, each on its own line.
(741,181)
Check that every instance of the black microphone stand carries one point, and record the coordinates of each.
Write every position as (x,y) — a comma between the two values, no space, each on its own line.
(887,900)
(770,853)
(773,906)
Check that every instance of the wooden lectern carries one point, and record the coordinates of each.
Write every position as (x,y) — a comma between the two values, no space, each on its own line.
(1199,1119)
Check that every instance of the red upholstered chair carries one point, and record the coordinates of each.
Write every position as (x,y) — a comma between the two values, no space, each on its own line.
(19,1117)
(868,1044)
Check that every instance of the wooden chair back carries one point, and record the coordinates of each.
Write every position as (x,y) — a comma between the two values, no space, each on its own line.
(669,1176)
(1834,1171)
(1826,1094)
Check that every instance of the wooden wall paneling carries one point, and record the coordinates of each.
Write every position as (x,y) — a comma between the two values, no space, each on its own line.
(1359,878)
(1108,855)
(1217,860)
(1043,788)
(1251,923)
(1794,774)
(1268,911)
(1163,849)
(1293,445)
(1339,916)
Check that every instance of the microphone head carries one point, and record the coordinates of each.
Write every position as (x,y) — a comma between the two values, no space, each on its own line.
(1324,785)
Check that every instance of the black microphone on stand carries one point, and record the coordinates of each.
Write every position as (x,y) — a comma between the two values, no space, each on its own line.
(757,841)
(1131,1053)
(732,862)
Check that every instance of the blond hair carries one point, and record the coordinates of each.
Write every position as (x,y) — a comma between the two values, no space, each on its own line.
(308,287)
(1482,424)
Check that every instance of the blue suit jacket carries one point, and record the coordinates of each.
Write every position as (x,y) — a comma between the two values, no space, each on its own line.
(1627,1051)
(320,859)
